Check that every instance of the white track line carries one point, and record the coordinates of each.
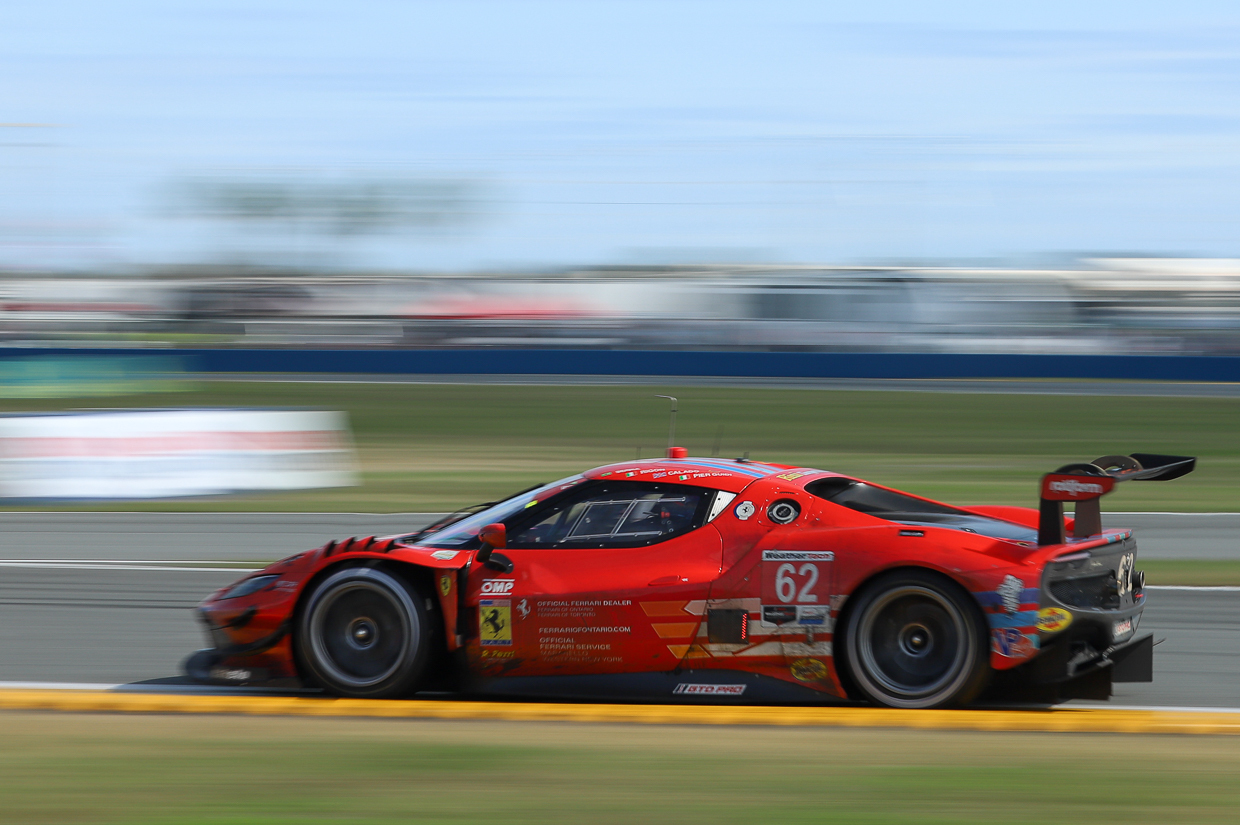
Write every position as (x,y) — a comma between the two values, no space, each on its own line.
(1167,708)
(246,515)
(172,566)
(42,565)
(131,561)
(138,687)
(56,686)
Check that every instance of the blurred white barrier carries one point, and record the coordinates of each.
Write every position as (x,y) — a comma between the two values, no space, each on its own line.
(138,454)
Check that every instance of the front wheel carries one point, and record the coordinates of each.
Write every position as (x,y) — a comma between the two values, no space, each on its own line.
(364,633)
(914,640)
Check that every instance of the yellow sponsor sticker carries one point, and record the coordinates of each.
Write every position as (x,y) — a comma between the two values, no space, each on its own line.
(495,622)
(1053,619)
(445,584)
(809,670)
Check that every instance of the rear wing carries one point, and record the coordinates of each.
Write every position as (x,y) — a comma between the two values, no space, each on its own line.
(1085,484)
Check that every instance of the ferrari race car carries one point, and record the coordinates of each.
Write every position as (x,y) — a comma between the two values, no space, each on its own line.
(714,579)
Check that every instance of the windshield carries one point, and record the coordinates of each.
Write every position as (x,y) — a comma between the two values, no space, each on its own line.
(461,533)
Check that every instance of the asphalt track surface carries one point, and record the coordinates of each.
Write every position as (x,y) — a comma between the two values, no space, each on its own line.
(105,598)
(225,537)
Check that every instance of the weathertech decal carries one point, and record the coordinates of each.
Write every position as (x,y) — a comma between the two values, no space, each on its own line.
(795,555)
(710,690)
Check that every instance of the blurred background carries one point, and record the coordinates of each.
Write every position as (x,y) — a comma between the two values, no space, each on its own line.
(418,177)
(405,186)
(722,175)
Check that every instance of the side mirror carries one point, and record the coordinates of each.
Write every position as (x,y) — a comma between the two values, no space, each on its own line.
(493,537)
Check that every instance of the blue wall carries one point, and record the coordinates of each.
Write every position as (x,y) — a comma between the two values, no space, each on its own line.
(649,362)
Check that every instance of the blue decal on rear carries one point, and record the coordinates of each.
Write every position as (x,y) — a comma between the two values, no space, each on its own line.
(989,598)
(1025,618)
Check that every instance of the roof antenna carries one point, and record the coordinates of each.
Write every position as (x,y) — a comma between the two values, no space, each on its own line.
(672,450)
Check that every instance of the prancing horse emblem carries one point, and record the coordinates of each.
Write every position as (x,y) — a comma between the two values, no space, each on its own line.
(493,620)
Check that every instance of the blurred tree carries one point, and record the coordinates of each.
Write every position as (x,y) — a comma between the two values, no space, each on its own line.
(345,208)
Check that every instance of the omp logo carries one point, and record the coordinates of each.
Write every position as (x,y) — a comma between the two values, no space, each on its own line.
(497,587)
(710,690)
(1073,487)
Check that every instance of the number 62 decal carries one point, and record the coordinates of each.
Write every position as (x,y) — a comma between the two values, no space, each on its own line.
(795,577)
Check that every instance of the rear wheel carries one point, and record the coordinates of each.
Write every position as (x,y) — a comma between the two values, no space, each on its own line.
(914,640)
(364,633)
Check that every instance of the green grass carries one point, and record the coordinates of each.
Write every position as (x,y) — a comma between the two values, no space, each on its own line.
(1190,572)
(234,770)
(434,447)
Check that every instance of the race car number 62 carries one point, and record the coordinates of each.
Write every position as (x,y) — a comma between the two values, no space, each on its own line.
(786,585)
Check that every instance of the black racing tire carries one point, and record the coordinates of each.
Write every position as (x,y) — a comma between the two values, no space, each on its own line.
(915,639)
(364,633)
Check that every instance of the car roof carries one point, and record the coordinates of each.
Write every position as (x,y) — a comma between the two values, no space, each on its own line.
(730,474)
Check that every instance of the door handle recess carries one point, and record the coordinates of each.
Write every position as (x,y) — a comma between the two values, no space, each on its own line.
(664,580)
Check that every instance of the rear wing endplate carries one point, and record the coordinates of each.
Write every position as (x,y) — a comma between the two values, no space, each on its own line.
(1085,484)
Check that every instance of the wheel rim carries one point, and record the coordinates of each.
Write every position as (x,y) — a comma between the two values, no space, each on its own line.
(360,634)
(913,644)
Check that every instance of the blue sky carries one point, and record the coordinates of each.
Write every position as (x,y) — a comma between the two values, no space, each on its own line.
(602,132)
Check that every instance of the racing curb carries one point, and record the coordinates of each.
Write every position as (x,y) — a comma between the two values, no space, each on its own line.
(1072,720)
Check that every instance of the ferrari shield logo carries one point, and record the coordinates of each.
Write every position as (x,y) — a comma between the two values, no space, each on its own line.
(495,622)
(445,584)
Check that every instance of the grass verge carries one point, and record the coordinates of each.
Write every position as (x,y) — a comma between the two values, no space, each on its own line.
(434,447)
(110,769)
(1192,572)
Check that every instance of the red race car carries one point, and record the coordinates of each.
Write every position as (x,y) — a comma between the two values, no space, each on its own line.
(703,577)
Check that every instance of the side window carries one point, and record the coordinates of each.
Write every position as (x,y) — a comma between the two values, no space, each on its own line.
(615,514)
